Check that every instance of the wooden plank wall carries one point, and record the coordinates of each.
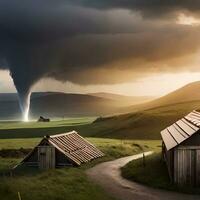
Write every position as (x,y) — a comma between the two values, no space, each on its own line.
(198,166)
(46,157)
(187,166)
(169,159)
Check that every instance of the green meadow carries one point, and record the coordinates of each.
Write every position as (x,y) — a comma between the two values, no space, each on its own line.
(154,173)
(67,183)
(141,125)
(116,136)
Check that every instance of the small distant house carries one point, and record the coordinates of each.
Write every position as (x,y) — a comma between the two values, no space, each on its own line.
(68,149)
(181,150)
(42,119)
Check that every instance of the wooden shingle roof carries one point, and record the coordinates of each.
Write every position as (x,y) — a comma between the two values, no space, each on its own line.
(181,130)
(75,147)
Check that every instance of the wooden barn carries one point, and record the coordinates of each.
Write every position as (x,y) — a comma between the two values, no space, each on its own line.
(181,150)
(68,149)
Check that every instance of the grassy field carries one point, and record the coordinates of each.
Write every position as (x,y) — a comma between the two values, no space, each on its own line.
(59,184)
(113,148)
(143,125)
(18,129)
(133,133)
(116,136)
(154,173)
(55,123)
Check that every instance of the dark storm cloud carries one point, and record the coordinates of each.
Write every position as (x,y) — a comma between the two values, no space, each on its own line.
(93,41)
(73,40)
(148,8)
(66,39)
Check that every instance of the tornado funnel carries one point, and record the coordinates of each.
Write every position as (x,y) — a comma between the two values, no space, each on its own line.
(24,102)
(23,83)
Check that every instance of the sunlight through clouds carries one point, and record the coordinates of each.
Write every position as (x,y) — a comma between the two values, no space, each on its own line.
(6,82)
(187,20)
(155,85)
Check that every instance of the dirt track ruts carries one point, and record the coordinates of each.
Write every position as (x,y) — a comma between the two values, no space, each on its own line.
(108,175)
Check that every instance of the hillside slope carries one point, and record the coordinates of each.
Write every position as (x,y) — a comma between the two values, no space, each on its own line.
(188,93)
(143,124)
(148,119)
(52,104)
(122,99)
(139,125)
(61,104)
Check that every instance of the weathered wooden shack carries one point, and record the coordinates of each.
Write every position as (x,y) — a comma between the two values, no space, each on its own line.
(181,150)
(42,119)
(67,149)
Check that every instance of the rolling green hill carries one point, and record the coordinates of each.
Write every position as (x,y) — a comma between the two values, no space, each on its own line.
(52,104)
(188,93)
(122,99)
(145,124)
(59,105)
(138,125)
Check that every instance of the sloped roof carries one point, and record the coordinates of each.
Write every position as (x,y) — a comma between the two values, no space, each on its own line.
(73,146)
(181,130)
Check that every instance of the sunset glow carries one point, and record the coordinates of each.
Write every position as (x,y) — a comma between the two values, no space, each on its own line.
(154,85)
(187,20)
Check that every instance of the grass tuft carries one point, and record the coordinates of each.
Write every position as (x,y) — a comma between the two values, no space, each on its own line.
(154,173)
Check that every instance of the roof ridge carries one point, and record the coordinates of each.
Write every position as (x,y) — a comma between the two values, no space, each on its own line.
(190,123)
(195,111)
(62,134)
(187,126)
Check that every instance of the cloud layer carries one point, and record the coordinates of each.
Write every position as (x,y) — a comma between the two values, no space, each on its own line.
(94,42)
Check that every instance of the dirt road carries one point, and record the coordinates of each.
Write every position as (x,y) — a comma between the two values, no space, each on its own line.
(108,175)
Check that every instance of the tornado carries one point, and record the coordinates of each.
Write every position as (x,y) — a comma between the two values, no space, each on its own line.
(24,102)
(23,85)
(24,94)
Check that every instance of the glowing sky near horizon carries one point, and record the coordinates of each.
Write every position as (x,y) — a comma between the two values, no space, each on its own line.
(154,85)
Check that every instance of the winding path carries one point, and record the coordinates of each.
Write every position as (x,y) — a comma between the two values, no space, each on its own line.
(108,175)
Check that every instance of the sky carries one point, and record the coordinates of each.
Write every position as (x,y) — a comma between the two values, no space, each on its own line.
(156,85)
(131,47)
